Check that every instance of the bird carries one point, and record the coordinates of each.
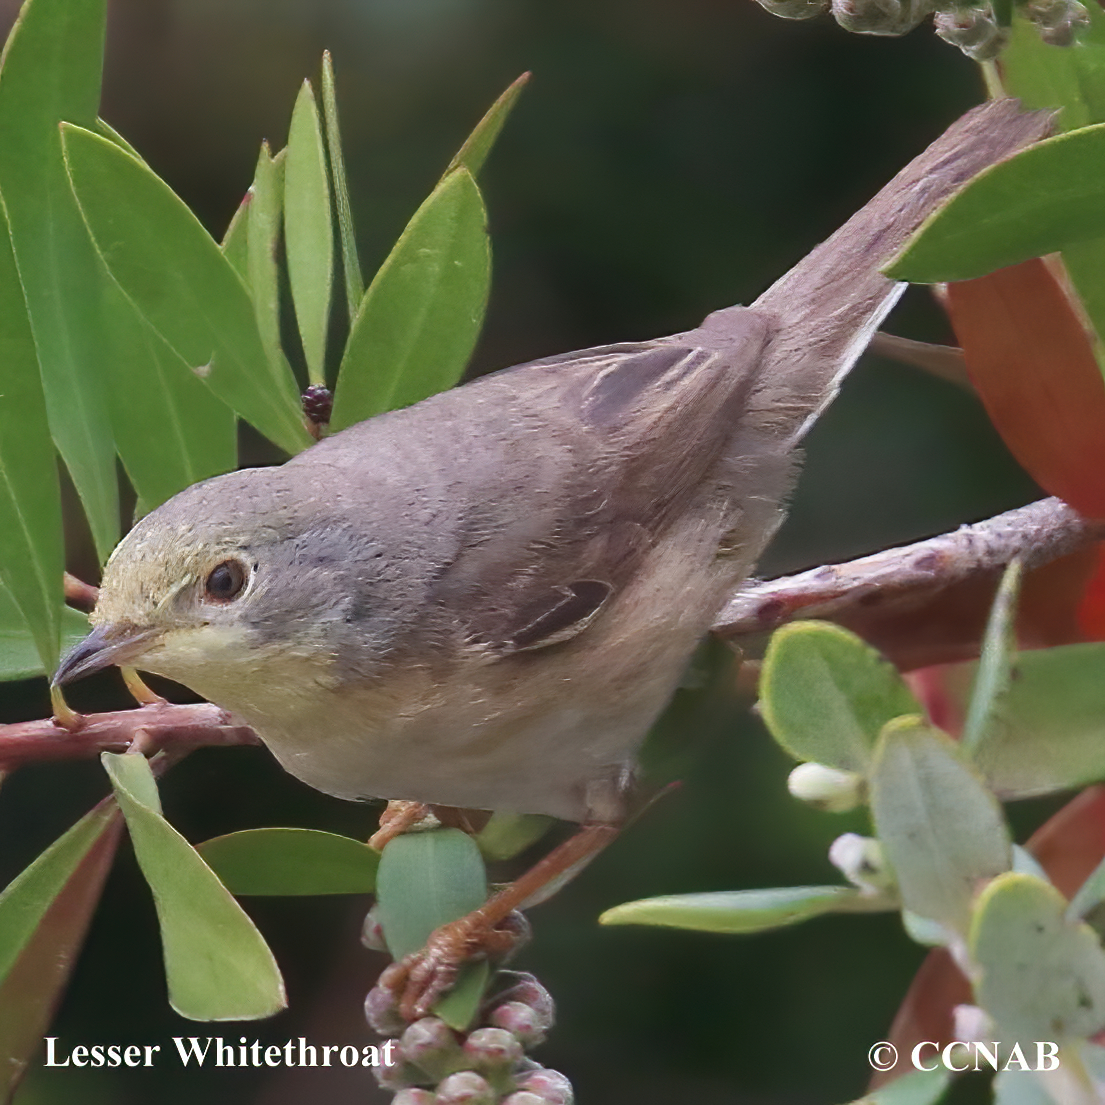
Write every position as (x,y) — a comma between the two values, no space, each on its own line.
(485,599)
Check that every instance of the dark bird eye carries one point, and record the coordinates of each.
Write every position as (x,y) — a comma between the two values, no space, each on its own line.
(226,581)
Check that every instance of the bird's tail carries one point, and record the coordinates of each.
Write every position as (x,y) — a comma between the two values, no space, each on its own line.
(829,305)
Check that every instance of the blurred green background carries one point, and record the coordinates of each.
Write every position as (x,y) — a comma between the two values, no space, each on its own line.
(669,157)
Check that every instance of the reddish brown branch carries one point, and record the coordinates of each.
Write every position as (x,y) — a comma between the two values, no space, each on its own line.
(80,594)
(911,575)
(170,727)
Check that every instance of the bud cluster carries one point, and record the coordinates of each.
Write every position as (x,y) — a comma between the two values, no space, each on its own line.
(486,1065)
(973,27)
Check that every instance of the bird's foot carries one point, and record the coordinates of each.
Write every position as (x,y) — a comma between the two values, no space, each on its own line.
(397,818)
(420,979)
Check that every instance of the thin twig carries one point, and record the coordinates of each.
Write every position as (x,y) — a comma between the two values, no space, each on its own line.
(1038,533)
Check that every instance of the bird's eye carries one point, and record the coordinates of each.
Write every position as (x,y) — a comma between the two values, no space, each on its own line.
(225,581)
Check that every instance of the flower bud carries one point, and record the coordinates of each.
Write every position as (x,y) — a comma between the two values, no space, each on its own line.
(973,30)
(827,788)
(521,1020)
(398,1076)
(382,1012)
(526,989)
(860,859)
(794,9)
(372,932)
(489,1049)
(414,1096)
(431,1045)
(1058,21)
(880,17)
(972,1023)
(524,1097)
(548,1085)
(465,1088)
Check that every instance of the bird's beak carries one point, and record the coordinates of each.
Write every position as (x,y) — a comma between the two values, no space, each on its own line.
(106,645)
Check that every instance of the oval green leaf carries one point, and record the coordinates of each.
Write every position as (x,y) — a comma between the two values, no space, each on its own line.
(19,658)
(825,695)
(1038,201)
(51,71)
(180,282)
(1042,977)
(217,965)
(291,861)
(422,313)
(942,830)
(308,231)
(736,911)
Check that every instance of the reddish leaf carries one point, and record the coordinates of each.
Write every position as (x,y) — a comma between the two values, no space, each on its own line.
(1031,359)
(1091,613)
(33,987)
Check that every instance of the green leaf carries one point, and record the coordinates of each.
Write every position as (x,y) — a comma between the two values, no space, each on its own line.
(46,911)
(1048,732)
(171,270)
(28,896)
(235,243)
(1041,977)
(354,282)
(31,543)
(106,130)
(426,880)
(261,241)
(51,71)
(291,861)
(170,429)
(507,834)
(919,1087)
(1041,200)
(19,659)
(217,965)
(825,695)
(736,911)
(309,231)
(941,829)
(419,319)
(995,666)
(459,1006)
(478,144)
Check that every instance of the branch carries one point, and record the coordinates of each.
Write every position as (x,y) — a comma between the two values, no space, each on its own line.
(175,728)
(909,576)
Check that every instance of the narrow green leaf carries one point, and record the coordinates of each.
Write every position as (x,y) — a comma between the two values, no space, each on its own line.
(52,903)
(19,659)
(825,695)
(235,243)
(424,881)
(264,233)
(919,1087)
(171,430)
(1041,977)
(1086,904)
(51,71)
(171,270)
(478,144)
(351,267)
(995,666)
(942,830)
(1041,200)
(31,543)
(422,313)
(291,861)
(737,911)
(309,231)
(217,965)
(459,1006)
(106,130)
(1048,732)
(27,897)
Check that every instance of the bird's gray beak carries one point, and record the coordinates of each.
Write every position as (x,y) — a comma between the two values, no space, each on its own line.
(106,645)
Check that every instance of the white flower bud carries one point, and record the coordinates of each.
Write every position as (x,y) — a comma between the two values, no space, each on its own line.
(973,30)
(825,787)
(860,859)
(794,9)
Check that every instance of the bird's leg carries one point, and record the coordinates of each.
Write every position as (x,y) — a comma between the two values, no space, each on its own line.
(397,818)
(419,979)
